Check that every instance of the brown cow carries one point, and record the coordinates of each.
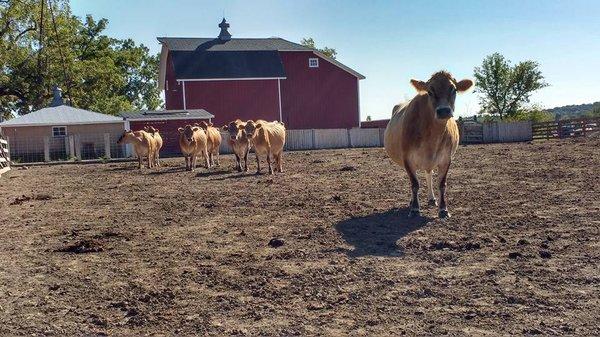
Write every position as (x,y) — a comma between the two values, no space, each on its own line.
(267,138)
(192,141)
(213,136)
(143,144)
(158,142)
(239,143)
(422,135)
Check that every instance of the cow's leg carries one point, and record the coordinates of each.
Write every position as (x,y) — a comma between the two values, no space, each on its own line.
(257,162)
(414,208)
(193,159)
(246,160)
(210,159)
(430,194)
(443,175)
(206,159)
(140,158)
(218,159)
(157,159)
(269,161)
(238,163)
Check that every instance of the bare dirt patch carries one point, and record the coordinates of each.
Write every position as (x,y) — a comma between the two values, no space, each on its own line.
(325,248)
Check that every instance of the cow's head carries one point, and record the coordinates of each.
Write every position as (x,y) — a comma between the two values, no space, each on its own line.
(251,128)
(150,129)
(441,89)
(187,133)
(235,129)
(203,125)
(125,136)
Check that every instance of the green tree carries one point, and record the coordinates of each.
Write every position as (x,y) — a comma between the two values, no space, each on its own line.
(503,88)
(42,44)
(309,42)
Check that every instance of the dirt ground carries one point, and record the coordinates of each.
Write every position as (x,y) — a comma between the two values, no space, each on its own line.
(106,249)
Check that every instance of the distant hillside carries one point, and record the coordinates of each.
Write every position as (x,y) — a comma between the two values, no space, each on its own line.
(574,110)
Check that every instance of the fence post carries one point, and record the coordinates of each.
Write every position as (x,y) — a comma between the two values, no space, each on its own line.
(349,138)
(560,130)
(46,148)
(8,149)
(107,146)
(313,146)
(71,146)
(77,147)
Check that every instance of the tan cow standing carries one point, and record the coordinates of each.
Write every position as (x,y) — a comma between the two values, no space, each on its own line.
(158,142)
(239,143)
(422,135)
(143,144)
(267,138)
(213,145)
(192,141)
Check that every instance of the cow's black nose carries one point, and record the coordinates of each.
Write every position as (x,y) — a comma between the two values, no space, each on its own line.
(444,112)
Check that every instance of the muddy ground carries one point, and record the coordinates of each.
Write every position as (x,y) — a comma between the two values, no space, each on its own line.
(106,249)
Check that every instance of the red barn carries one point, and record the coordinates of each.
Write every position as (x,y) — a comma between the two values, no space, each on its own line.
(263,78)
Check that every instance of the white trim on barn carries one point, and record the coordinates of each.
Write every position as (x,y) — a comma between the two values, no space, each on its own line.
(184,105)
(279,97)
(165,119)
(358,99)
(230,79)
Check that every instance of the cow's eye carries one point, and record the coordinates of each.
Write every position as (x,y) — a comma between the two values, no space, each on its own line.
(432,93)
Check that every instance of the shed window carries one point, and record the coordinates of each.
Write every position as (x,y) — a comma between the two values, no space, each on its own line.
(313,62)
(59,131)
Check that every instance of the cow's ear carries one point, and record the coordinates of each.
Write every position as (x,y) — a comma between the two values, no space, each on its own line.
(258,126)
(210,124)
(180,130)
(225,128)
(464,85)
(420,86)
(241,127)
(195,128)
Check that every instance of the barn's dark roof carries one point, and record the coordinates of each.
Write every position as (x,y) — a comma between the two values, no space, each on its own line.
(227,64)
(199,45)
(167,114)
(212,44)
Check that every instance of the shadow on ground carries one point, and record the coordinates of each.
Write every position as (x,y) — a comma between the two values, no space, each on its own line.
(377,234)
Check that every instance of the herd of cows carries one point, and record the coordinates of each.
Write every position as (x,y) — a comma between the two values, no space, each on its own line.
(204,140)
(421,135)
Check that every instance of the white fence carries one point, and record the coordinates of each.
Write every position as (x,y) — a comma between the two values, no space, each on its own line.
(4,156)
(317,139)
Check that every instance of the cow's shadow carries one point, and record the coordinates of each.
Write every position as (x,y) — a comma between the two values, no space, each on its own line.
(376,234)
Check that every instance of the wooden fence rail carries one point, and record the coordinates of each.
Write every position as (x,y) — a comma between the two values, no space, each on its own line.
(4,156)
(565,128)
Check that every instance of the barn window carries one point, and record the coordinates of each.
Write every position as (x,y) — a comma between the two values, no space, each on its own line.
(59,131)
(313,62)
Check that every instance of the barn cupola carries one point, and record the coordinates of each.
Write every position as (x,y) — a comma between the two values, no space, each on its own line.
(57,100)
(224,34)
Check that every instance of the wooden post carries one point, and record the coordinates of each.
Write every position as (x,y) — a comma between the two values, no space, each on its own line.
(349,141)
(77,147)
(71,146)
(107,145)
(46,148)
(313,140)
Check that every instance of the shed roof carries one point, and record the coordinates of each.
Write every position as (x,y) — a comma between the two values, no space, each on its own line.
(61,115)
(167,114)
(227,64)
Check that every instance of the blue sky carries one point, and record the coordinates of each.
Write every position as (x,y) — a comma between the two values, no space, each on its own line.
(391,42)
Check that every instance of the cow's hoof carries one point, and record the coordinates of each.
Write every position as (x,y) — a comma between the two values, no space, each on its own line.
(432,202)
(443,214)
(413,213)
